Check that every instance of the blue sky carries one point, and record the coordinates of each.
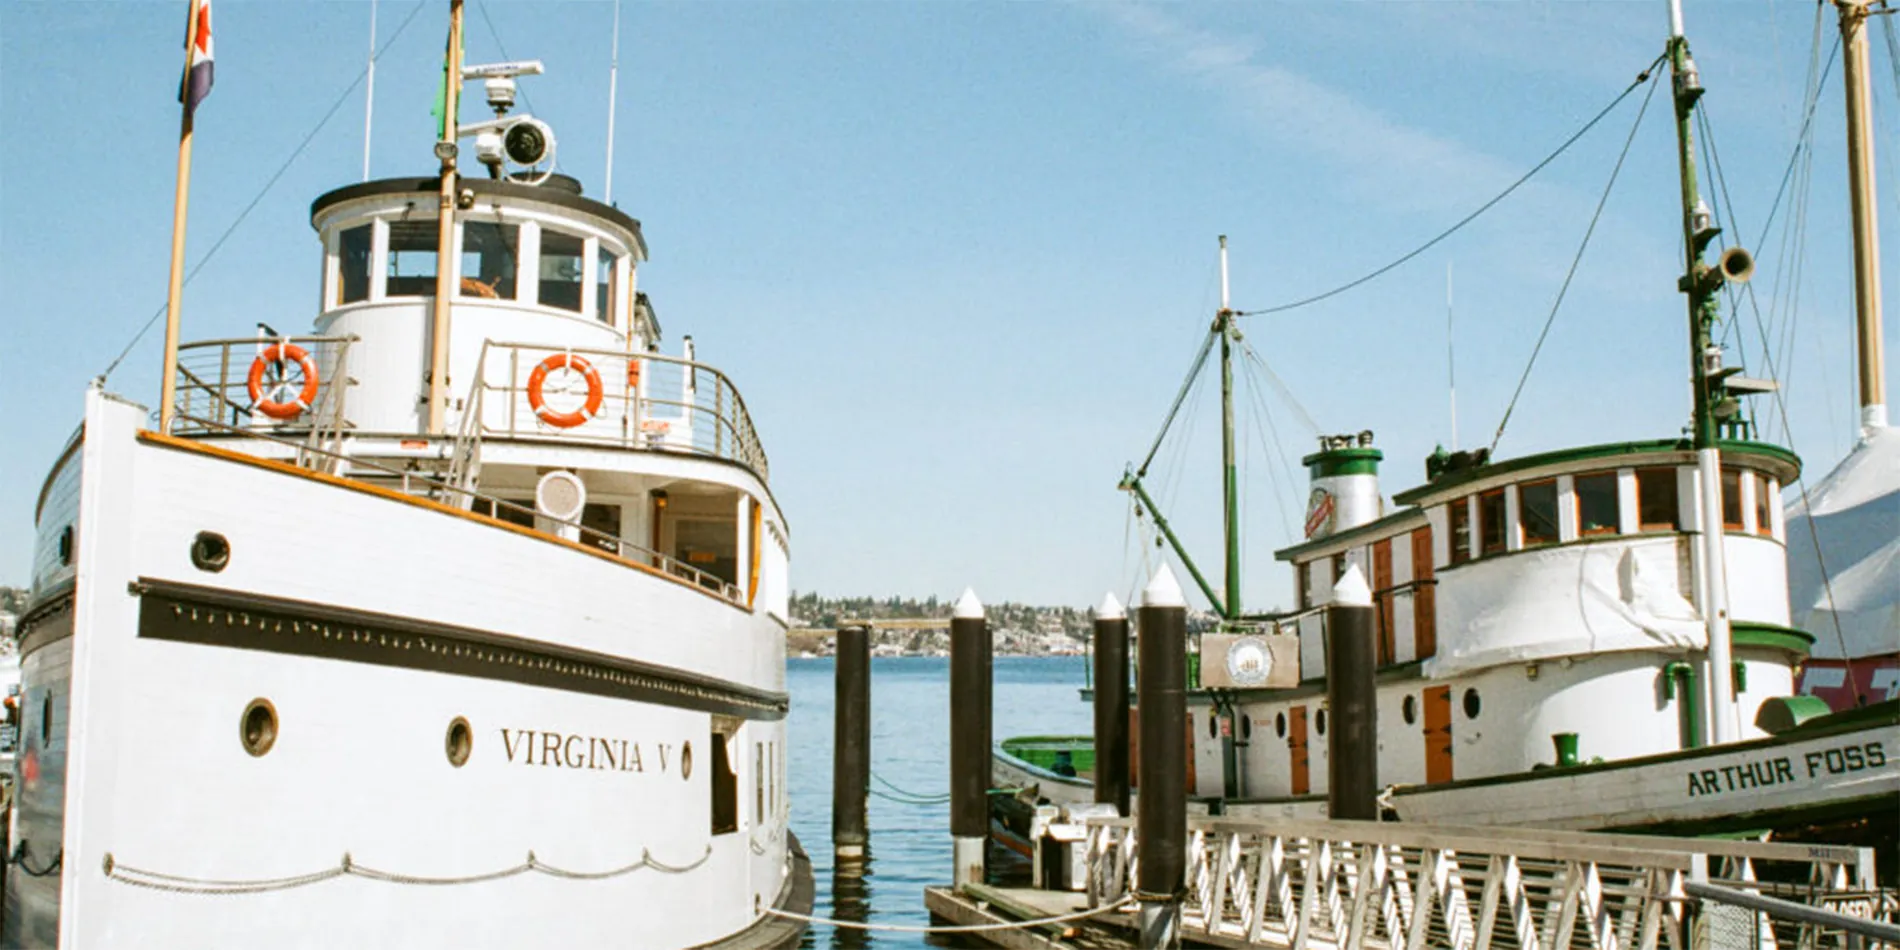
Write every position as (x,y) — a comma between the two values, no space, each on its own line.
(958,256)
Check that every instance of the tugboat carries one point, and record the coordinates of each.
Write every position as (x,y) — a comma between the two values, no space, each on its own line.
(459,620)
(1592,638)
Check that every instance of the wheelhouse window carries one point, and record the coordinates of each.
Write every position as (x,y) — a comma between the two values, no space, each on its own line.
(1537,512)
(1656,499)
(1732,499)
(490,256)
(1339,571)
(1598,510)
(411,259)
(1764,498)
(1491,521)
(606,282)
(352,263)
(1303,578)
(1460,531)
(562,257)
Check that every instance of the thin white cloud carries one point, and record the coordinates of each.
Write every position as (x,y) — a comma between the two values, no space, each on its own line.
(1408,164)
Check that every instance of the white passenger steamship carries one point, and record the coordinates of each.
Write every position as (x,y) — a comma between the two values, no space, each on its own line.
(455,622)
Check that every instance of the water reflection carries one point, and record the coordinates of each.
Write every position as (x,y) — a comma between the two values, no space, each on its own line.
(851,900)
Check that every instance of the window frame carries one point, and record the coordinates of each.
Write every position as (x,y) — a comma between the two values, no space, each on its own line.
(1726,476)
(1485,549)
(1616,502)
(1764,505)
(1555,520)
(1675,497)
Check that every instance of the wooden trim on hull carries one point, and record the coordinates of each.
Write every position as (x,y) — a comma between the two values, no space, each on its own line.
(285,468)
(209,616)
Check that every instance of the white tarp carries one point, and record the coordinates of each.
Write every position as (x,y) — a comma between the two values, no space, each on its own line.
(1568,600)
(1856,518)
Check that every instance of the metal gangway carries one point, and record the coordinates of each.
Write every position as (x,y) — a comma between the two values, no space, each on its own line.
(1350,884)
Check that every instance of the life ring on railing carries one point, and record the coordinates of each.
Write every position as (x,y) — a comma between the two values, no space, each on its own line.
(277,354)
(537,381)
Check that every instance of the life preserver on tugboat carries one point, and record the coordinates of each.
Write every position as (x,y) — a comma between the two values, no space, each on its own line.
(278,354)
(537,382)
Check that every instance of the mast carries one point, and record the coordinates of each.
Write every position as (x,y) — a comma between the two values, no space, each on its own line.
(1861,195)
(175,289)
(445,149)
(1224,324)
(1701,283)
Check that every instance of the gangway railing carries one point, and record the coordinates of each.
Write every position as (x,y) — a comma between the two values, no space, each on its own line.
(643,401)
(1292,883)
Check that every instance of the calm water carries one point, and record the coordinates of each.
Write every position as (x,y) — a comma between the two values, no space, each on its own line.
(910,747)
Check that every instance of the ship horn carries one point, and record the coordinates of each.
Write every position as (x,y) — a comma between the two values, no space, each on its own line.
(1736,265)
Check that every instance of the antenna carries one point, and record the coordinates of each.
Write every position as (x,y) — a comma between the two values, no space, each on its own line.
(369,96)
(1451,360)
(613,88)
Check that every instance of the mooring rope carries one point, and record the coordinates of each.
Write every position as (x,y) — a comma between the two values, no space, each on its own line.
(180,884)
(953,928)
(904,796)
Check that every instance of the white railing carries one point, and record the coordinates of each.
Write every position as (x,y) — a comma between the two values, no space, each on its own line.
(1370,884)
(646,401)
(303,454)
(213,395)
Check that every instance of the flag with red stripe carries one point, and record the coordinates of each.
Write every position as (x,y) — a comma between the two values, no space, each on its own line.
(197,82)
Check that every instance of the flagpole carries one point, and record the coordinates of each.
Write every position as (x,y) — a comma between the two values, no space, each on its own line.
(445,227)
(175,293)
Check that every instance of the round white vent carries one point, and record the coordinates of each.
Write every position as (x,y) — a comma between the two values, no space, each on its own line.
(560,495)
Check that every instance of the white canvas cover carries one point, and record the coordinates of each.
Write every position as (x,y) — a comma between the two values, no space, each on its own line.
(1854,513)
(1564,601)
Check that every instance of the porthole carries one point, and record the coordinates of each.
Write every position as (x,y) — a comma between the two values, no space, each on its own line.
(1409,709)
(210,551)
(1213,725)
(1319,721)
(1246,727)
(258,729)
(46,719)
(1279,725)
(1472,705)
(686,760)
(459,741)
(66,546)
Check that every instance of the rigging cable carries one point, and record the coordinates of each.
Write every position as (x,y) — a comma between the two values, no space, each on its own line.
(1194,372)
(503,47)
(1574,262)
(1814,536)
(1640,79)
(232,228)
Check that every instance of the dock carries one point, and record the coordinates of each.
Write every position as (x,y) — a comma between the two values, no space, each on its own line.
(1358,884)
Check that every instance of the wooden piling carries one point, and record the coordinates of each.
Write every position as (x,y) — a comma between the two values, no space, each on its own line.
(1111,705)
(1161,813)
(1352,788)
(851,742)
(969,738)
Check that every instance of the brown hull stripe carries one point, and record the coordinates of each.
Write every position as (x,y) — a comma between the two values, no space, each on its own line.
(187,613)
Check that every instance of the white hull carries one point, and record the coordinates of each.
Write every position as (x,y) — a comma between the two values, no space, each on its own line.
(1768,784)
(370,623)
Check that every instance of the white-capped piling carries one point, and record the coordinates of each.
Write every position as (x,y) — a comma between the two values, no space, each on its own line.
(1352,789)
(1161,812)
(1111,704)
(969,737)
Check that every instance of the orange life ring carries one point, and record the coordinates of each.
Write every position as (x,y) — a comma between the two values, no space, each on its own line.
(278,354)
(538,379)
